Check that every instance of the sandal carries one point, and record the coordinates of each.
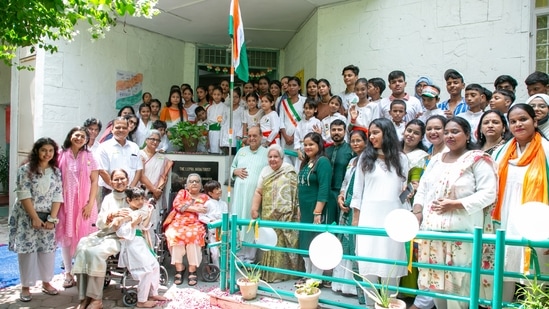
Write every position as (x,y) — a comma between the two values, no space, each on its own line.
(25,297)
(69,283)
(52,291)
(192,278)
(178,277)
(95,304)
(327,284)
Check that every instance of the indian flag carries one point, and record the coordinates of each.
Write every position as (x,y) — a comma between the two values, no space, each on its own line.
(236,32)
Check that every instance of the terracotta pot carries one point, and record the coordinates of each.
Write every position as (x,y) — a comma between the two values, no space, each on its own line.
(308,301)
(190,144)
(394,304)
(247,289)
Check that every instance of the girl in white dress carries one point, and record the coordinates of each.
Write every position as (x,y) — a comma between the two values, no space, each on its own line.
(252,116)
(269,123)
(380,178)
(309,123)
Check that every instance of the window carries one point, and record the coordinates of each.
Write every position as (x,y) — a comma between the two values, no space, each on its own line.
(542,35)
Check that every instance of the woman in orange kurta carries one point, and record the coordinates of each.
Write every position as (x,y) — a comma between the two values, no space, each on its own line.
(184,232)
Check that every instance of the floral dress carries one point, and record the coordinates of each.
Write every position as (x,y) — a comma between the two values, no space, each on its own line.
(185,228)
(471,180)
(43,190)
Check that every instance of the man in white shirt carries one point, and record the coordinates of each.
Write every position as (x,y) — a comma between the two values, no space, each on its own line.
(119,153)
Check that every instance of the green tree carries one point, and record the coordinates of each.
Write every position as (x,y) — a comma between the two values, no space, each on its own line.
(39,23)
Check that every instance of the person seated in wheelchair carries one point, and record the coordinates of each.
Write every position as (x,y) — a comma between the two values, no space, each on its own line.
(136,252)
(215,208)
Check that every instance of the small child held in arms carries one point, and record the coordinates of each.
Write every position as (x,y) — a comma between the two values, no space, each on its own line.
(136,253)
(216,207)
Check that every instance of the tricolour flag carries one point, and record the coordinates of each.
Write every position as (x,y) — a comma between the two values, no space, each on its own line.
(236,31)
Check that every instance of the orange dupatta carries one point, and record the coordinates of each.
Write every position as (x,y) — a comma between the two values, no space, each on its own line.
(534,187)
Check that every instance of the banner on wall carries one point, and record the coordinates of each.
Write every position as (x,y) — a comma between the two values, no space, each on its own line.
(129,88)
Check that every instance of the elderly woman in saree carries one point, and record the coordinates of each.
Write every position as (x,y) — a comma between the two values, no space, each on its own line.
(275,199)
(156,167)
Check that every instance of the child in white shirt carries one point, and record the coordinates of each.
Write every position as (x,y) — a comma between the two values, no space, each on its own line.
(270,122)
(309,123)
(216,208)
(334,104)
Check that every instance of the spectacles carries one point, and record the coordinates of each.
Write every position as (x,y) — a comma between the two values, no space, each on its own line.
(541,106)
(194,181)
(154,140)
(132,122)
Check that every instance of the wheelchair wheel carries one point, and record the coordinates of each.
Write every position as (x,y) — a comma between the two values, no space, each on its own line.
(210,272)
(164,277)
(130,298)
(108,277)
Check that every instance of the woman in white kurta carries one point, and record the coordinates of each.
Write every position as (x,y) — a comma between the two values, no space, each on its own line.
(380,178)
(523,178)
(455,194)
(92,252)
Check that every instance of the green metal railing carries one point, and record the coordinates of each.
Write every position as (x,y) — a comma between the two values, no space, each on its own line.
(229,228)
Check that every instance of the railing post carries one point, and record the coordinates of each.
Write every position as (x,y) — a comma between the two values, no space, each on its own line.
(224,246)
(232,270)
(499,261)
(475,268)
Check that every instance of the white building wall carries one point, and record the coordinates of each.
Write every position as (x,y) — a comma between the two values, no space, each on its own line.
(480,38)
(301,51)
(80,80)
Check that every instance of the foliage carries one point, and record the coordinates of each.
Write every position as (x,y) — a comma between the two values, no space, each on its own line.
(534,295)
(250,274)
(4,170)
(188,131)
(39,23)
(381,296)
(310,287)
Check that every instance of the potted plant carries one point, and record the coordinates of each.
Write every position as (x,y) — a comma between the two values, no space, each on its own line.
(249,281)
(381,297)
(186,135)
(308,294)
(534,295)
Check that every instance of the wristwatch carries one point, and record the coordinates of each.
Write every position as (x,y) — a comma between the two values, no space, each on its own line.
(53,220)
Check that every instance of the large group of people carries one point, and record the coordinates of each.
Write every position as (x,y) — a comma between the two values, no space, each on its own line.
(349,159)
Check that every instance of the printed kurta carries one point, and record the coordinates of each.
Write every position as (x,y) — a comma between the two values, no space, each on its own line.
(43,190)
(471,180)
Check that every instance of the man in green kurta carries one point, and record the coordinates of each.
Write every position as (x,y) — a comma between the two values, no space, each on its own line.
(245,170)
(339,154)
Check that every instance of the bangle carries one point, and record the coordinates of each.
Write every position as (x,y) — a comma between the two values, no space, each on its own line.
(317,213)
(417,212)
(53,220)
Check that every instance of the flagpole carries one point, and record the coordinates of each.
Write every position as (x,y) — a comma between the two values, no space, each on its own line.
(231,89)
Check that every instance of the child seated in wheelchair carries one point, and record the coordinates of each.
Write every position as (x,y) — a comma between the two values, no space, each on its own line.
(216,208)
(136,252)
